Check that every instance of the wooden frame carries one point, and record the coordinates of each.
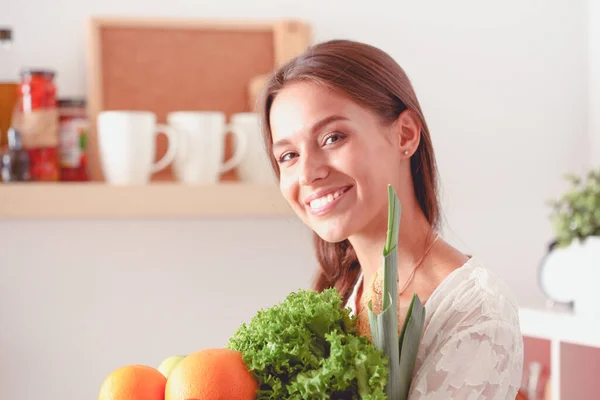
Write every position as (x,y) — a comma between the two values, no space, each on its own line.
(289,38)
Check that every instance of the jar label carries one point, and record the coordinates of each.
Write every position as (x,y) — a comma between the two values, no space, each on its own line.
(38,128)
(72,139)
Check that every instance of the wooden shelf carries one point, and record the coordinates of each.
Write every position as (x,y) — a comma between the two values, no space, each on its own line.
(155,200)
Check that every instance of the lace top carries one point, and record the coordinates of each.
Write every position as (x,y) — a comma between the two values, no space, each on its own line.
(472,347)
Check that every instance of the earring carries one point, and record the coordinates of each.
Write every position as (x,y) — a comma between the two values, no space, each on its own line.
(406,152)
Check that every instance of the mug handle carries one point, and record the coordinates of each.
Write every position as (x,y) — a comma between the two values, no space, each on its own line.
(171,149)
(241,140)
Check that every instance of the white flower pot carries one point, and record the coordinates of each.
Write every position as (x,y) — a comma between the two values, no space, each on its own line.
(572,275)
(587,295)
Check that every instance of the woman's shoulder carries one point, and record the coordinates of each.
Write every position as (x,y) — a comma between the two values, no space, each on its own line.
(477,295)
(472,315)
(472,300)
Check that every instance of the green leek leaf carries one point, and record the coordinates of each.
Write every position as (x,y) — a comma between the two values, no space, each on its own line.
(400,349)
(410,338)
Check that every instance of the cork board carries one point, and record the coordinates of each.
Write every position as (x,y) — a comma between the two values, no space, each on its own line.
(170,65)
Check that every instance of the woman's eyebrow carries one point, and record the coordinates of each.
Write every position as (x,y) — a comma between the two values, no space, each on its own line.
(314,128)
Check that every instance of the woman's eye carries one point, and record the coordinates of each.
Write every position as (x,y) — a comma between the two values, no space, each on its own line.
(286,157)
(333,138)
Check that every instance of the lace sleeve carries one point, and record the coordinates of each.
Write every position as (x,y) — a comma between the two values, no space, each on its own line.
(482,362)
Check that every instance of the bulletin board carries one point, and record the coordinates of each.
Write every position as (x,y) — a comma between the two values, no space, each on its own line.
(164,65)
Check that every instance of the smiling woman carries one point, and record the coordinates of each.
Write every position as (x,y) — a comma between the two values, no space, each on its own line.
(341,123)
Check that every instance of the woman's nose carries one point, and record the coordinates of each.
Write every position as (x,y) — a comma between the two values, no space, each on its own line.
(312,168)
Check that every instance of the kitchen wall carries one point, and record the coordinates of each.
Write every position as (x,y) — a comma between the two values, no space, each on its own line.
(81,298)
(504,87)
(594,80)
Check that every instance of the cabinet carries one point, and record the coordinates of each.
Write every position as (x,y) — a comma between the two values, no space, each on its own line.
(563,330)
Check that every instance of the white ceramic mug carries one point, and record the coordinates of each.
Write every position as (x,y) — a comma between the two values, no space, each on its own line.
(256,166)
(200,156)
(127,146)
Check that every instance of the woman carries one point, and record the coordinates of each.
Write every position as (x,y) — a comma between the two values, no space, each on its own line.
(341,122)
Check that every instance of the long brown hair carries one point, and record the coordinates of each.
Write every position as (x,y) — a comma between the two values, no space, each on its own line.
(372,78)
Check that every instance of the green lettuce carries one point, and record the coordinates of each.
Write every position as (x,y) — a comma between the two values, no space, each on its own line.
(309,347)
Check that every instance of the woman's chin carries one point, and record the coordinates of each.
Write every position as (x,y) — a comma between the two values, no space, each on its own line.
(332,236)
(334,229)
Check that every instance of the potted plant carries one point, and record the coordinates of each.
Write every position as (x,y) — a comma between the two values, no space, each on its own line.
(575,220)
(576,215)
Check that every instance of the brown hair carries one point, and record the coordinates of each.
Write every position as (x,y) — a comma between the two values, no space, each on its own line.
(372,78)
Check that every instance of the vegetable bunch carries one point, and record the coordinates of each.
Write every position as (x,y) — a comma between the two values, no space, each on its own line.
(309,347)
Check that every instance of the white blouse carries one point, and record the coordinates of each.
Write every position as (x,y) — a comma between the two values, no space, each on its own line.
(472,347)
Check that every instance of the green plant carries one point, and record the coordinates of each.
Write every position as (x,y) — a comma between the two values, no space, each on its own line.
(576,215)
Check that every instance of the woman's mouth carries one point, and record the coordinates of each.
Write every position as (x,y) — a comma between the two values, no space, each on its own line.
(326,202)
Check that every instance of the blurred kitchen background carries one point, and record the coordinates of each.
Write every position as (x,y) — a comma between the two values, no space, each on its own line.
(100,269)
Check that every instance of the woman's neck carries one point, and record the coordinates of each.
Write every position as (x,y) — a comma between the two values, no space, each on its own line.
(414,236)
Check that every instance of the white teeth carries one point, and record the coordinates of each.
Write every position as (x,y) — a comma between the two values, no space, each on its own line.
(321,201)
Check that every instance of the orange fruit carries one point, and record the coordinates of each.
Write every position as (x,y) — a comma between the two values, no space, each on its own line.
(134,382)
(211,374)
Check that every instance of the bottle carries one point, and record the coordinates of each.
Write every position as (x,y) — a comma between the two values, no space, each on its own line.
(533,372)
(9,81)
(15,161)
(73,139)
(36,119)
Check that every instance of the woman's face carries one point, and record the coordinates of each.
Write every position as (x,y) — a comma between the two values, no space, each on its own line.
(336,160)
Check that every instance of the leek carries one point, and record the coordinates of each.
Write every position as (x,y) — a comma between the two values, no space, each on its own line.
(400,349)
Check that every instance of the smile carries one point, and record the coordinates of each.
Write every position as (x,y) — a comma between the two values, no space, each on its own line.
(326,202)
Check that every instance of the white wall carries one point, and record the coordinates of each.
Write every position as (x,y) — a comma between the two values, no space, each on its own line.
(504,88)
(80,299)
(594,80)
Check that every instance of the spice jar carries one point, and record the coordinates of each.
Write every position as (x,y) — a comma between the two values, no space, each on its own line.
(36,118)
(73,130)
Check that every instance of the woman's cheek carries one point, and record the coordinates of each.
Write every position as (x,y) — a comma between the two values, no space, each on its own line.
(289,188)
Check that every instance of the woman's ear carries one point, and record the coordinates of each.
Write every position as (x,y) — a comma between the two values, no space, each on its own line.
(408,127)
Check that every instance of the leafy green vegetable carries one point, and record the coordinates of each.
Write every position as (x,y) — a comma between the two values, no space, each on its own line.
(400,351)
(308,347)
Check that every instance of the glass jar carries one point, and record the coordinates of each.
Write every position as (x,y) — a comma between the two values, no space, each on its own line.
(37,90)
(36,118)
(74,127)
(9,80)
